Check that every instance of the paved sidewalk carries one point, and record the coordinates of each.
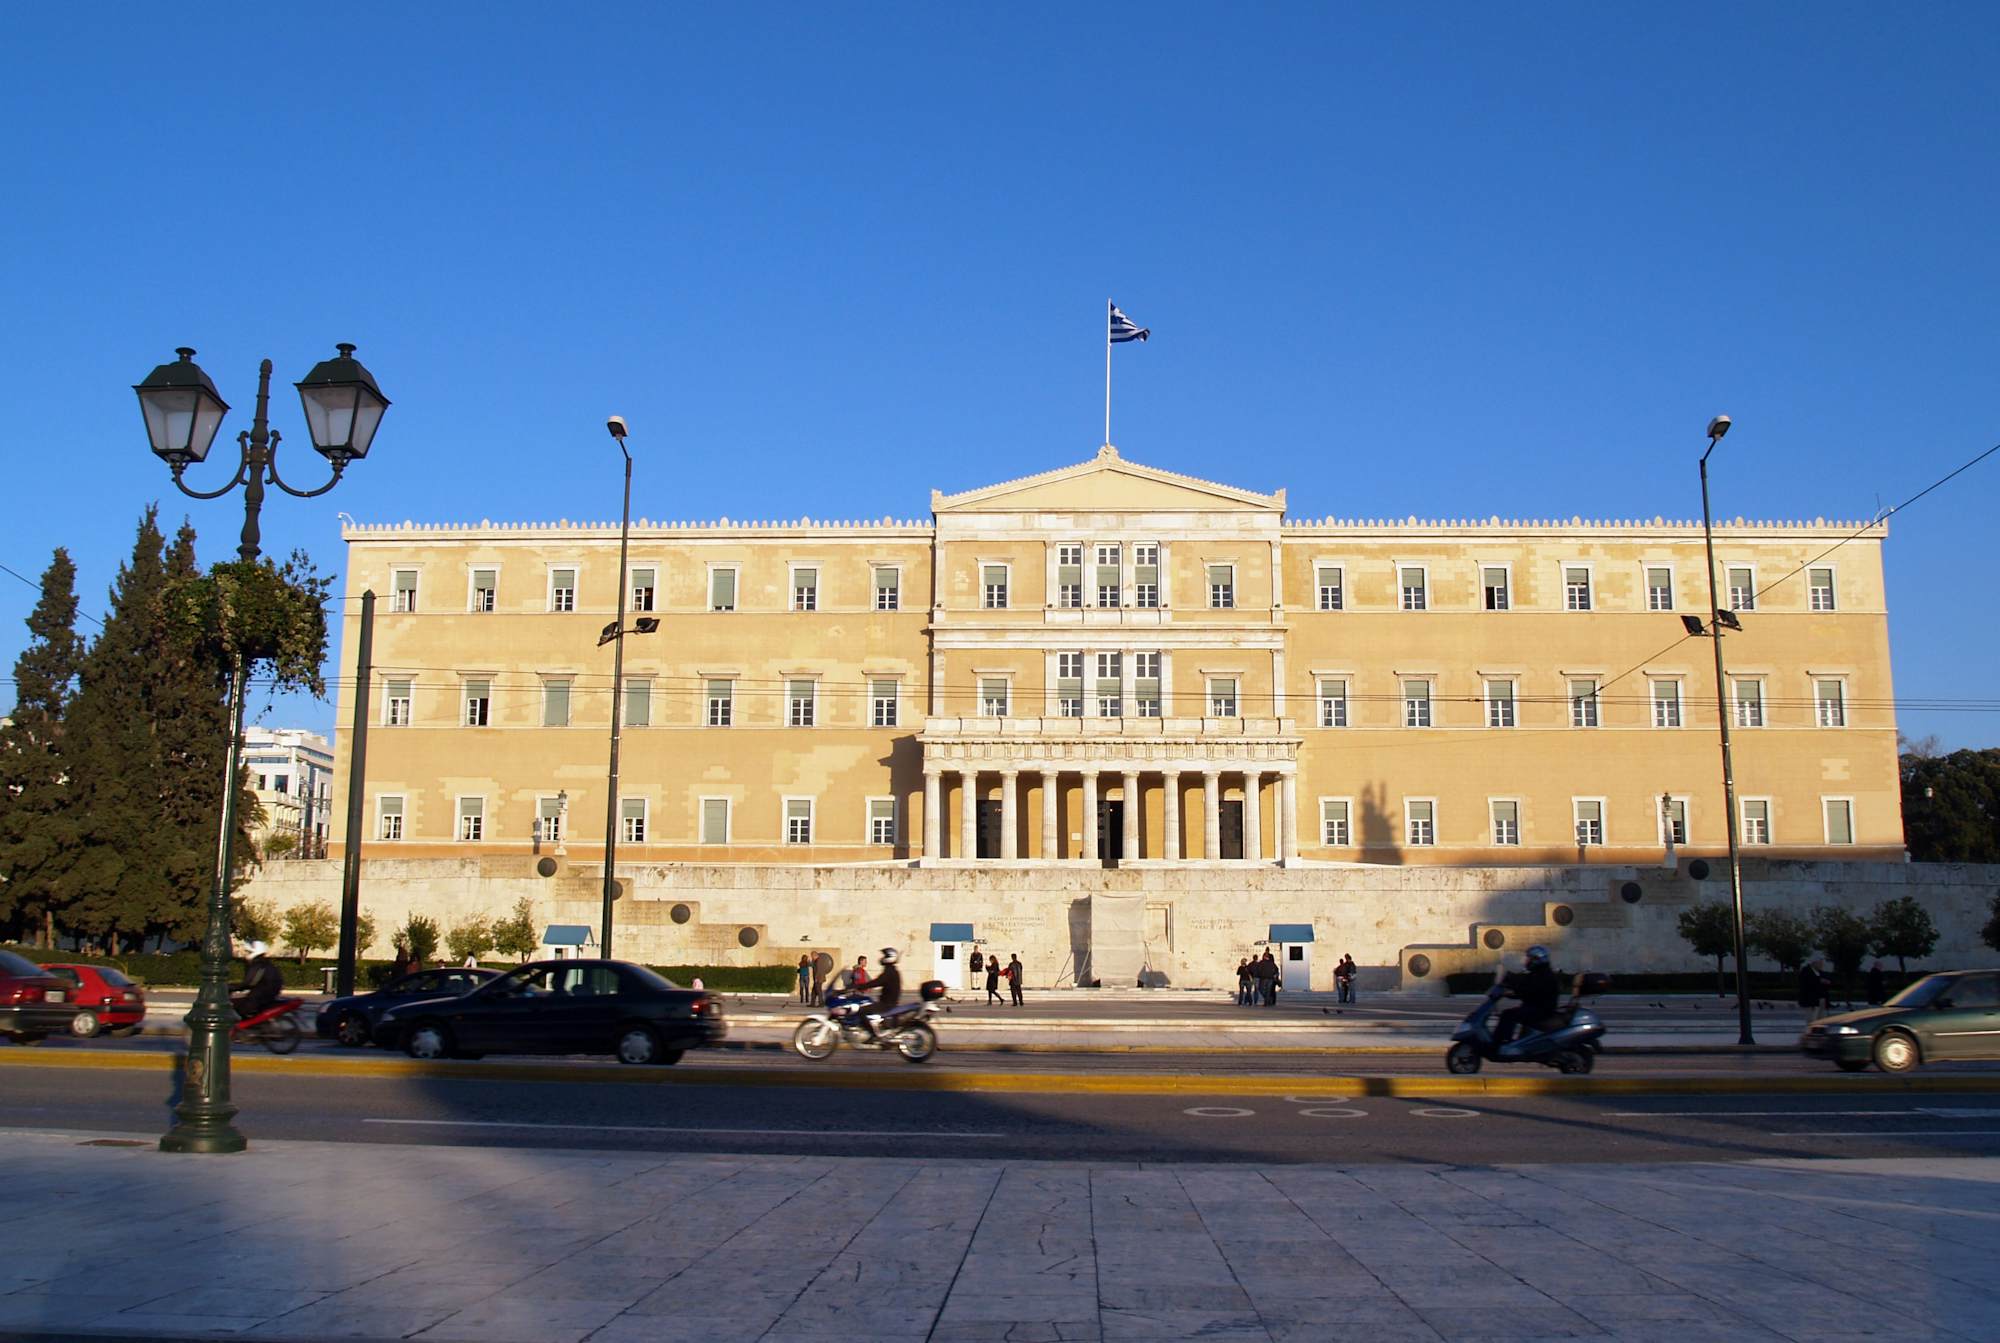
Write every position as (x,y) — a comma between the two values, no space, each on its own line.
(321,1241)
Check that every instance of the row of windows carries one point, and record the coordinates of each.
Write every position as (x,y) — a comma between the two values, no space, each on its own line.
(634,820)
(1588,820)
(1500,702)
(801,702)
(483,588)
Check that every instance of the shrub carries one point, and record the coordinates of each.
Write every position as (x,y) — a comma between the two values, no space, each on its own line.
(420,935)
(311,927)
(1903,928)
(1710,930)
(1782,936)
(515,935)
(1845,939)
(470,940)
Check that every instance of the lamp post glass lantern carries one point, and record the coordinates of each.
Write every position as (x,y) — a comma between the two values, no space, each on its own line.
(183,411)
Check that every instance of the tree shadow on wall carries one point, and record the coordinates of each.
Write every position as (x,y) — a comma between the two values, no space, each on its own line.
(1377,830)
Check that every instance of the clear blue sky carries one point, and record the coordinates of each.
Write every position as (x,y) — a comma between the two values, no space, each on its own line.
(1443,260)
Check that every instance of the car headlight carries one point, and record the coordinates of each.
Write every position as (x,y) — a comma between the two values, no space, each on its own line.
(1845,1030)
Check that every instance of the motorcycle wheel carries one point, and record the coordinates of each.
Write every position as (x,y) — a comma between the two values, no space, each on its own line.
(916,1042)
(1461,1058)
(281,1035)
(1572,1061)
(815,1040)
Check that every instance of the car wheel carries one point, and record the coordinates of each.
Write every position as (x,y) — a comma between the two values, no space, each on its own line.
(351,1030)
(1461,1058)
(1851,1065)
(638,1045)
(85,1025)
(428,1040)
(1896,1052)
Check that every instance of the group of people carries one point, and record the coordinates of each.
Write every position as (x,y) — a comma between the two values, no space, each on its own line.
(855,978)
(1259,978)
(1816,988)
(995,972)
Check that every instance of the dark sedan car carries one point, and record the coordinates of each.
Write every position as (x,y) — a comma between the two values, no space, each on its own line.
(34,1004)
(1940,1018)
(351,1020)
(561,1007)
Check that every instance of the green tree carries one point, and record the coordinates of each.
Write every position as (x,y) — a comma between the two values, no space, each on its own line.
(1782,936)
(420,934)
(364,931)
(1709,929)
(1951,805)
(38,832)
(311,927)
(1845,938)
(1903,928)
(515,935)
(254,920)
(471,939)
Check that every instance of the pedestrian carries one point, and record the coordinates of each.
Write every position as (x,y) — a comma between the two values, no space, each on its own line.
(978,964)
(1267,977)
(805,978)
(861,974)
(471,961)
(1878,985)
(1014,972)
(1243,979)
(993,979)
(1343,978)
(1813,990)
(401,965)
(819,982)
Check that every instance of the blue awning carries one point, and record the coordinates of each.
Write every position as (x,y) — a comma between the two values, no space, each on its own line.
(1291,932)
(951,932)
(567,935)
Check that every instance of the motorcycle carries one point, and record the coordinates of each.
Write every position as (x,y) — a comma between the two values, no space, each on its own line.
(276,1027)
(905,1029)
(1569,1041)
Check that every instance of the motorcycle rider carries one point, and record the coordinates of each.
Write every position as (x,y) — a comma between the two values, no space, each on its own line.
(1539,990)
(887,987)
(263,984)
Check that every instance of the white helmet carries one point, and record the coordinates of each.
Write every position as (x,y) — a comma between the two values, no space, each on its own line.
(257,949)
(889,956)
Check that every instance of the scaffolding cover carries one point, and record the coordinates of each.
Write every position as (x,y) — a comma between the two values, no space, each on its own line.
(1117,937)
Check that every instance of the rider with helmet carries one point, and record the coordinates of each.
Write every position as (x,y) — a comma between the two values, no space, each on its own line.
(887,986)
(1539,990)
(263,984)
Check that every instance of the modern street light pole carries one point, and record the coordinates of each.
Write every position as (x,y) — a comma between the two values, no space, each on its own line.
(343,409)
(1717,427)
(616,632)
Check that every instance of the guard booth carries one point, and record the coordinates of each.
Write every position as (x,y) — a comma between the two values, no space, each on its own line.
(1294,942)
(951,944)
(564,941)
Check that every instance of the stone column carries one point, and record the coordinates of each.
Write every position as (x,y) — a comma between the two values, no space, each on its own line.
(1089,814)
(1288,816)
(968,815)
(933,816)
(1253,819)
(1010,816)
(1129,846)
(1051,791)
(1211,814)
(1170,811)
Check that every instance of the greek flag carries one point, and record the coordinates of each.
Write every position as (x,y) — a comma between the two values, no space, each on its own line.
(1123,330)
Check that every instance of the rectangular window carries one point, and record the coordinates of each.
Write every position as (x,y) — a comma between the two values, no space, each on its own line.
(1506,822)
(1420,823)
(881,820)
(1819,589)
(396,706)
(1829,703)
(1109,577)
(1110,685)
(1583,703)
(882,703)
(485,588)
(1576,588)
(722,589)
(1749,704)
(1334,829)
(632,820)
(1589,822)
(562,589)
(1146,576)
(1221,587)
(478,702)
(549,820)
(1222,697)
(888,589)
(1742,590)
(798,820)
(1415,584)
(715,820)
(993,586)
(638,702)
(1659,589)
(643,583)
(1674,821)
(1666,704)
(1069,577)
(721,703)
(1493,579)
(1839,820)
(1499,704)
(389,817)
(800,705)
(1756,820)
(805,589)
(405,598)
(1069,685)
(1416,704)
(1332,587)
(1146,684)
(1332,701)
(992,697)
(555,704)
(471,819)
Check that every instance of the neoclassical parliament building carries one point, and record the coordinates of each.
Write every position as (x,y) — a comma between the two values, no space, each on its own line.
(1114,664)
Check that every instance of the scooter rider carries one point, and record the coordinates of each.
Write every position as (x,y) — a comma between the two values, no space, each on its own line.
(263,984)
(1539,990)
(887,988)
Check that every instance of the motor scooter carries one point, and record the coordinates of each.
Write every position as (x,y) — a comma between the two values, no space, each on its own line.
(276,1027)
(905,1029)
(1568,1041)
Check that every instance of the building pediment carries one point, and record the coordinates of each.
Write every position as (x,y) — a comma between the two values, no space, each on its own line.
(1107,484)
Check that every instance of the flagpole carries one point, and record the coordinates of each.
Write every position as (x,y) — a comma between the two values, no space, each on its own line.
(1107,370)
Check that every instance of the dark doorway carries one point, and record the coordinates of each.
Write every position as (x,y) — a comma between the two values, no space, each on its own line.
(989,828)
(1230,815)
(1110,831)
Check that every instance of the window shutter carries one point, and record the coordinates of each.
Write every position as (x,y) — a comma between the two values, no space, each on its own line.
(715,820)
(1839,823)
(723,597)
(1147,573)
(555,704)
(639,703)
(632,808)
(995,575)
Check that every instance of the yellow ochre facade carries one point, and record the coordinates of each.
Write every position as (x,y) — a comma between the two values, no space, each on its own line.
(1114,661)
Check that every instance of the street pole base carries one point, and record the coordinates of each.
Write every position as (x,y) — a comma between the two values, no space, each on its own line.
(214,1140)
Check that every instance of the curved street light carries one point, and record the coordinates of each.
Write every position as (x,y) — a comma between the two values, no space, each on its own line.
(1718,620)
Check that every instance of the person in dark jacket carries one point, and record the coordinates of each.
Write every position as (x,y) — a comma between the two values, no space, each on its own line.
(263,984)
(1814,991)
(993,979)
(978,963)
(1539,990)
(1878,985)
(1266,971)
(805,979)
(1244,979)
(886,987)
(1015,970)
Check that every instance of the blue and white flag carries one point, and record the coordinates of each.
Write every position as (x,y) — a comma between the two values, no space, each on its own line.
(1122,328)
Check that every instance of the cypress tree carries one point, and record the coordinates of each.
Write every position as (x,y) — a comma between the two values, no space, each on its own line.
(38,838)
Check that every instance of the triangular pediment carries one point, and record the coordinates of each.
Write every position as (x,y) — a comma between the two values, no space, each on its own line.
(1107,484)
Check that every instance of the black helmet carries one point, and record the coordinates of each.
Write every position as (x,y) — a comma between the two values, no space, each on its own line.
(1538,955)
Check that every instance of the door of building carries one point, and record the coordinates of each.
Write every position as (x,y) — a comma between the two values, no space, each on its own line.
(1297,963)
(989,828)
(1230,816)
(1110,830)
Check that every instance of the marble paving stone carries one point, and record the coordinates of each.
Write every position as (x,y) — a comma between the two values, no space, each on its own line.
(254,1303)
(1020,1331)
(1463,1324)
(328,1320)
(140,1324)
(541,1318)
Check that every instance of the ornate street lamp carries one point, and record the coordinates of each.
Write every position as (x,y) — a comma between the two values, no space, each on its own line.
(343,409)
(615,632)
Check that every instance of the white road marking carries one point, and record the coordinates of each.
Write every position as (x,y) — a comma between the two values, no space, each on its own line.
(1445,1112)
(1333,1114)
(1772,1114)
(1947,1112)
(1218,1111)
(1317,1100)
(651,1128)
(1896,1133)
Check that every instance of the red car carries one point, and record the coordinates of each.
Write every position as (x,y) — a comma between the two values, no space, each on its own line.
(105,999)
(33,1003)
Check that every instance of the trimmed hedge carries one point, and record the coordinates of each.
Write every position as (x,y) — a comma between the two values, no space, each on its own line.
(735,978)
(1767,984)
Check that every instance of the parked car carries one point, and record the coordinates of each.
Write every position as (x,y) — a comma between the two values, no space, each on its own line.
(1940,1018)
(561,1007)
(351,1020)
(34,1004)
(104,997)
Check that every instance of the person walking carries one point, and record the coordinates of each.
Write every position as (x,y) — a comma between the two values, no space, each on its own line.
(1014,972)
(818,982)
(1813,990)
(993,979)
(1878,985)
(1243,981)
(1267,978)
(805,978)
